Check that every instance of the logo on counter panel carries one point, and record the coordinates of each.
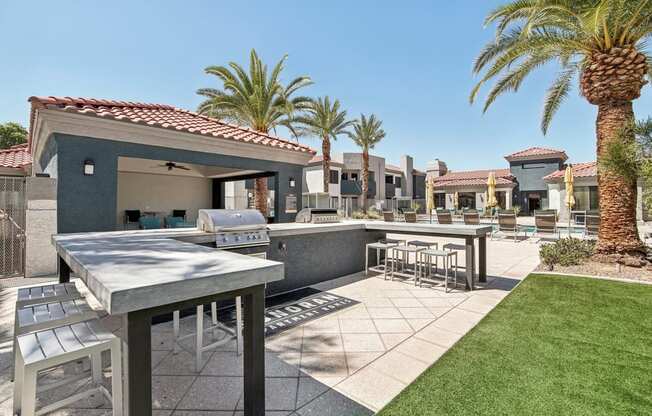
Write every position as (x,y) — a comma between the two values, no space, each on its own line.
(286,316)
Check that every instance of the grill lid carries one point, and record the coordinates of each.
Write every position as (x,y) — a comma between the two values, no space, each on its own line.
(215,220)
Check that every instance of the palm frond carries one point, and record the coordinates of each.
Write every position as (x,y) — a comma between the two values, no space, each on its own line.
(557,92)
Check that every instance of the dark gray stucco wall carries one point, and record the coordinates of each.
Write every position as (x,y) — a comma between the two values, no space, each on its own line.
(318,257)
(419,187)
(529,174)
(88,203)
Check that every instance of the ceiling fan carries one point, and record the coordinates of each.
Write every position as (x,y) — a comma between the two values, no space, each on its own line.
(171,165)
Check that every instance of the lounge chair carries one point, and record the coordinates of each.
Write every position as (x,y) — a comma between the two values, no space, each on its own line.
(507,224)
(388,216)
(545,225)
(149,223)
(444,217)
(592,226)
(410,216)
(131,217)
(471,217)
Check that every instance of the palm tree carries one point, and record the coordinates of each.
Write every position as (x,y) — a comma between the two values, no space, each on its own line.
(326,121)
(255,99)
(598,41)
(367,132)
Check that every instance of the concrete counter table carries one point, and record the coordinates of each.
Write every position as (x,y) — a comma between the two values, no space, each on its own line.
(140,275)
(468,233)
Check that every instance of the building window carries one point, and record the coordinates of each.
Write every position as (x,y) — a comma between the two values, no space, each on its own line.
(389,179)
(440,200)
(345,176)
(586,198)
(335,202)
(467,200)
(354,176)
(335,178)
(397,181)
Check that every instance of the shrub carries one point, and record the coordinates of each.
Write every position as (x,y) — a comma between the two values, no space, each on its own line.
(566,252)
(372,214)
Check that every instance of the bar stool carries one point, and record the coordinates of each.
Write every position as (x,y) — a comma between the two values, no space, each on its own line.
(379,247)
(401,257)
(42,350)
(447,256)
(200,348)
(31,317)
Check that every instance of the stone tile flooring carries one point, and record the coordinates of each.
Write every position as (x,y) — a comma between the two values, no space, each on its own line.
(353,361)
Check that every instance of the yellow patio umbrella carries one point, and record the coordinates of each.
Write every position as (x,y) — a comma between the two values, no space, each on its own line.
(430,201)
(491,190)
(570,199)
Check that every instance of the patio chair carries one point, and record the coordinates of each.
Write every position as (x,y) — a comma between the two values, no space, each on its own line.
(507,224)
(545,225)
(444,217)
(388,216)
(471,217)
(131,217)
(149,223)
(591,226)
(410,216)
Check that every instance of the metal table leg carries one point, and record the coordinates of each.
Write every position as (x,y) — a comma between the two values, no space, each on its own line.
(137,359)
(64,271)
(470,262)
(482,259)
(254,352)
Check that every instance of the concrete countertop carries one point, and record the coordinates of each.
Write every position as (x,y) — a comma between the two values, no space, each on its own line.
(282,229)
(135,270)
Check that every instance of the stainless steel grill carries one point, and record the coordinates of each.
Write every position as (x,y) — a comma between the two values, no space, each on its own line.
(318,215)
(234,228)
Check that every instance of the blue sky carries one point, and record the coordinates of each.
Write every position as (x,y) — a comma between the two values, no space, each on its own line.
(407,62)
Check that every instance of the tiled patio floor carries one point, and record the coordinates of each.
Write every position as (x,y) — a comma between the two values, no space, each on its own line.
(349,362)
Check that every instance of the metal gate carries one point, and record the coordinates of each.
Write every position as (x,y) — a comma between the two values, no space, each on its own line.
(12,226)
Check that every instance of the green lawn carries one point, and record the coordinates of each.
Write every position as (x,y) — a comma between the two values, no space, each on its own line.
(556,346)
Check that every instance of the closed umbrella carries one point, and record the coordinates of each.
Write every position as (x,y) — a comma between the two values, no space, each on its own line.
(430,200)
(491,191)
(570,199)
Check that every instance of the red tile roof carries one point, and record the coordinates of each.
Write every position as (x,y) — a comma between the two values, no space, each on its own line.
(15,157)
(473,178)
(533,152)
(580,170)
(167,117)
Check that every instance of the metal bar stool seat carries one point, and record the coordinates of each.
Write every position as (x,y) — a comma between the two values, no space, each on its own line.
(379,247)
(46,293)
(426,257)
(401,260)
(200,348)
(42,350)
(396,241)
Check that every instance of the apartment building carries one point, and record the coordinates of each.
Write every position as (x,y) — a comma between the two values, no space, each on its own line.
(387,183)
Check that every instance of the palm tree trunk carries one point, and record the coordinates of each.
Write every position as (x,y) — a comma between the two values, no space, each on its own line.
(365,179)
(260,195)
(618,233)
(326,161)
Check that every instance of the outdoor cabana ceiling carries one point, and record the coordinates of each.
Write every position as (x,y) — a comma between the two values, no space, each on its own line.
(157,167)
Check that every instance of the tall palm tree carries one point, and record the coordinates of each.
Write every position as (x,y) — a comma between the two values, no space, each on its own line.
(367,132)
(326,121)
(601,43)
(256,99)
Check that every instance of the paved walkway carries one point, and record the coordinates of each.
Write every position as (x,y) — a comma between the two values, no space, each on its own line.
(350,362)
